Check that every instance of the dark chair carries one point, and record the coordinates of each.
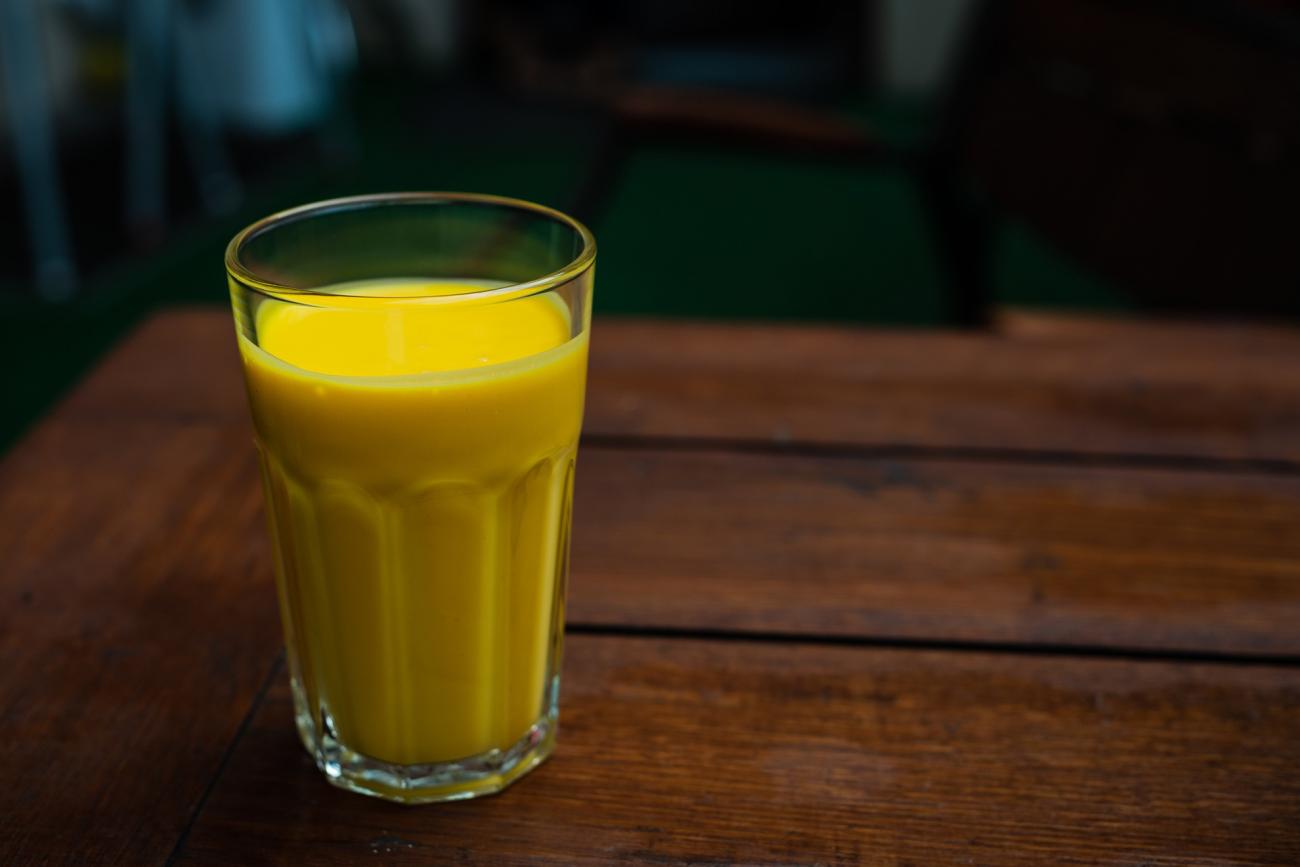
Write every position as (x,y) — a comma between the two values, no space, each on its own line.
(1157,142)
(1154,141)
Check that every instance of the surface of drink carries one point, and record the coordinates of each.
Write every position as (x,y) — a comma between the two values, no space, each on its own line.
(418,463)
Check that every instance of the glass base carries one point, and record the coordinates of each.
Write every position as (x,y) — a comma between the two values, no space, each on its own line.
(471,777)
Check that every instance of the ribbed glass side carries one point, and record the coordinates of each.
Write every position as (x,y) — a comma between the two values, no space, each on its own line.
(423,625)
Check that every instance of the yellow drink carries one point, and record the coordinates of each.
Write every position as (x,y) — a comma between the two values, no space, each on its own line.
(418,461)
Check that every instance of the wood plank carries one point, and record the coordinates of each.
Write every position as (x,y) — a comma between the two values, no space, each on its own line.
(181,363)
(935,549)
(1226,391)
(1232,392)
(1050,324)
(726,752)
(138,622)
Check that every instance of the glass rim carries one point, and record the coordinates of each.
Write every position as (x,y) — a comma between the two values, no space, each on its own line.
(580,263)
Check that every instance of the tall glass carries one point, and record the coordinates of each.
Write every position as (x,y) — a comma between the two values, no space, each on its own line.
(415,365)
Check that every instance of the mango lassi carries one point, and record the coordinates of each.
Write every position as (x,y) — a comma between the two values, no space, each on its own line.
(418,465)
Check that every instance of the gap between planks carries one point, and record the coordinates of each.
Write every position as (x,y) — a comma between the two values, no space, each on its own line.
(277,665)
(975,454)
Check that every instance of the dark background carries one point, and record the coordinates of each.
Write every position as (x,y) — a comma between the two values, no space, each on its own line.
(913,163)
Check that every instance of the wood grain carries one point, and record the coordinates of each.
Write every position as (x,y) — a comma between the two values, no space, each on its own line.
(939,550)
(1232,393)
(180,364)
(1222,391)
(137,621)
(726,752)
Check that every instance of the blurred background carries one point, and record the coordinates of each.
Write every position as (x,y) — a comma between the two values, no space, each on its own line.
(915,163)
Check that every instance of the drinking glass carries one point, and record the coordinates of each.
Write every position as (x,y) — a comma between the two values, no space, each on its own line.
(415,365)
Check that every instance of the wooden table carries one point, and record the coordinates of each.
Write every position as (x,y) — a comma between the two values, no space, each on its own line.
(838,596)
